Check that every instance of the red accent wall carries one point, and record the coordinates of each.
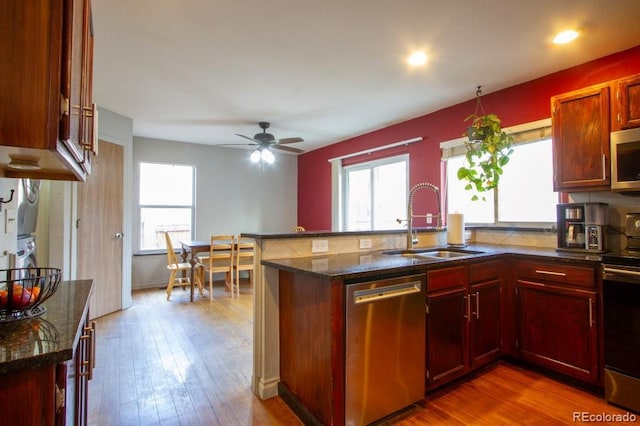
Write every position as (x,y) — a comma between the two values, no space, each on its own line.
(518,104)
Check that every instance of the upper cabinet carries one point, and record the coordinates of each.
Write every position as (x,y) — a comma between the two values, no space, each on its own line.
(626,104)
(582,122)
(580,127)
(47,116)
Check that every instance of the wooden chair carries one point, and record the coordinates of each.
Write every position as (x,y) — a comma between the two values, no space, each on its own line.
(243,260)
(174,267)
(298,229)
(220,260)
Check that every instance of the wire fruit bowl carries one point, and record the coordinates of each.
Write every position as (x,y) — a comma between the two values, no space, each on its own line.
(22,291)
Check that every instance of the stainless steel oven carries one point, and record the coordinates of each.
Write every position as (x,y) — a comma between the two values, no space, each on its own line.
(621,306)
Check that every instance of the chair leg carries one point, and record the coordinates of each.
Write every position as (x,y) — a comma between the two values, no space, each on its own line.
(210,285)
(172,279)
(198,277)
(237,284)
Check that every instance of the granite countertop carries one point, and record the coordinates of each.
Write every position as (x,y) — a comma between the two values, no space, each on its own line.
(348,266)
(51,337)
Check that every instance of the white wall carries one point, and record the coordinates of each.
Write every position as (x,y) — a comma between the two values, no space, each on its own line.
(8,236)
(232,195)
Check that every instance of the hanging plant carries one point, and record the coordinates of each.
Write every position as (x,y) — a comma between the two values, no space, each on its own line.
(488,151)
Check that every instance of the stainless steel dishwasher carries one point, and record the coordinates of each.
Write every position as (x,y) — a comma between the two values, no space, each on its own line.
(385,347)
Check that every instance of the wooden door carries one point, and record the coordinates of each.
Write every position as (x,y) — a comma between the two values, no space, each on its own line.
(484,331)
(559,329)
(581,140)
(626,105)
(100,224)
(446,336)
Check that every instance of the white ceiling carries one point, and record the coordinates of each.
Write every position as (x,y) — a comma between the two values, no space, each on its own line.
(203,70)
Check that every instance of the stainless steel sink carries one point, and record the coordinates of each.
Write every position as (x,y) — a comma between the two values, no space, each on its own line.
(441,253)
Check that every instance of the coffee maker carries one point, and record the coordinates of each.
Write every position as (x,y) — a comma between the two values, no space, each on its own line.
(582,227)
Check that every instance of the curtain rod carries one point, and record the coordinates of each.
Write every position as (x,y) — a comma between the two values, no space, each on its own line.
(379,148)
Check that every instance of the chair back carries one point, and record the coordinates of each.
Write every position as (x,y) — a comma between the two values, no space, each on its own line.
(172,259)
(221,251)
(245,251)
(298,228)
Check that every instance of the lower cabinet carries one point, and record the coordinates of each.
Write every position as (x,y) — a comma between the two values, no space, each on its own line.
(559,318)
(463,320)
(51,394)
(72,380)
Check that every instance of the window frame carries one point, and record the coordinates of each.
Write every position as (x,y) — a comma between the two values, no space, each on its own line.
(524,134)
(367,165)
(140,206)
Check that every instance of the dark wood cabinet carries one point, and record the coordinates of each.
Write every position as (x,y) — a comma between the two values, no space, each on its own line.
(55,393)
(625,111)
(447,350)
(485,292)
(559,318)
(580,127)
(47,125)
(463,320)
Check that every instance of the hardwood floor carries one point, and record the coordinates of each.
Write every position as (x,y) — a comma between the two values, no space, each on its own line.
(181,363)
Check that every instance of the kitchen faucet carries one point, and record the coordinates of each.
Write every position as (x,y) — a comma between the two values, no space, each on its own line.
(410,215)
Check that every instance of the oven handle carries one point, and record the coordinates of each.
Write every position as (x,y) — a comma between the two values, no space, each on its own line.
(606,269)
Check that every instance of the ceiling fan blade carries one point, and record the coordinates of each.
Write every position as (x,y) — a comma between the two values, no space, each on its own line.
(247,137)
(286,148)
(236,144)
(290,140)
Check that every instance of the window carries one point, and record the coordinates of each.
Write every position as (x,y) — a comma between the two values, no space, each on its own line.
(525,194)
(166,204)
(375,194)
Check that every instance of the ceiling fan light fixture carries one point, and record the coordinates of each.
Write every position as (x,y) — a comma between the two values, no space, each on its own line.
(267,156)
(255,156)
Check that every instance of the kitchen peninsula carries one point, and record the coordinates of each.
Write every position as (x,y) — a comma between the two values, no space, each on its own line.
(541,275)
(45,362)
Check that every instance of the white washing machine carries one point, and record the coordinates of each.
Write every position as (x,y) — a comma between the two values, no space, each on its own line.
(28,196)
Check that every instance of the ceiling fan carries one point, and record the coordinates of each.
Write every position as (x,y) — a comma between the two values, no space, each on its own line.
(265,141)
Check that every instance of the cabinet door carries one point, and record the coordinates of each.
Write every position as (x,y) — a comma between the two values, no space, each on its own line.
(72,70)
(447,317)
(581,140)
(626,105)
(484,331)
(559,329)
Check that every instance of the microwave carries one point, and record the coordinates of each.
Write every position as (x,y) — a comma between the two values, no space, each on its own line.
(625,161)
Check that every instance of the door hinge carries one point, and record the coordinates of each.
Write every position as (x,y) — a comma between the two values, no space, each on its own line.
(77,223)
(427,374)
(426,308)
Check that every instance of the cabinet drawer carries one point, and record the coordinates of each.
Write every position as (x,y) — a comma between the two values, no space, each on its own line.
(581,276)
(485,271)
(441,279)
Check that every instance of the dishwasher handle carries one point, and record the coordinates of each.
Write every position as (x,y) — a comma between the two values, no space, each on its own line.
(385,292)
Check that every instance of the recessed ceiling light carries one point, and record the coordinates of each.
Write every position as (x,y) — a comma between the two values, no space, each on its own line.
(417,58)
(565,37)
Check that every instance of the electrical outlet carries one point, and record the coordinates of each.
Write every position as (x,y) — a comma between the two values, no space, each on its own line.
(319,246)
(365,243)
(429,218)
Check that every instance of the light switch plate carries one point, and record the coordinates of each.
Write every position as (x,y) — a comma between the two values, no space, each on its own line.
(365,243)
(319,246)
(10,221)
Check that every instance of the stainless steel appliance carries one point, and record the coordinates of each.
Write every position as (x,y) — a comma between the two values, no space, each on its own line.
(621,306)
(385,347)
(582,227)
(625,161)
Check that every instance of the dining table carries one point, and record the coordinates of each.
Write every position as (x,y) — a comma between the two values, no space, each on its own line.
(189,253)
